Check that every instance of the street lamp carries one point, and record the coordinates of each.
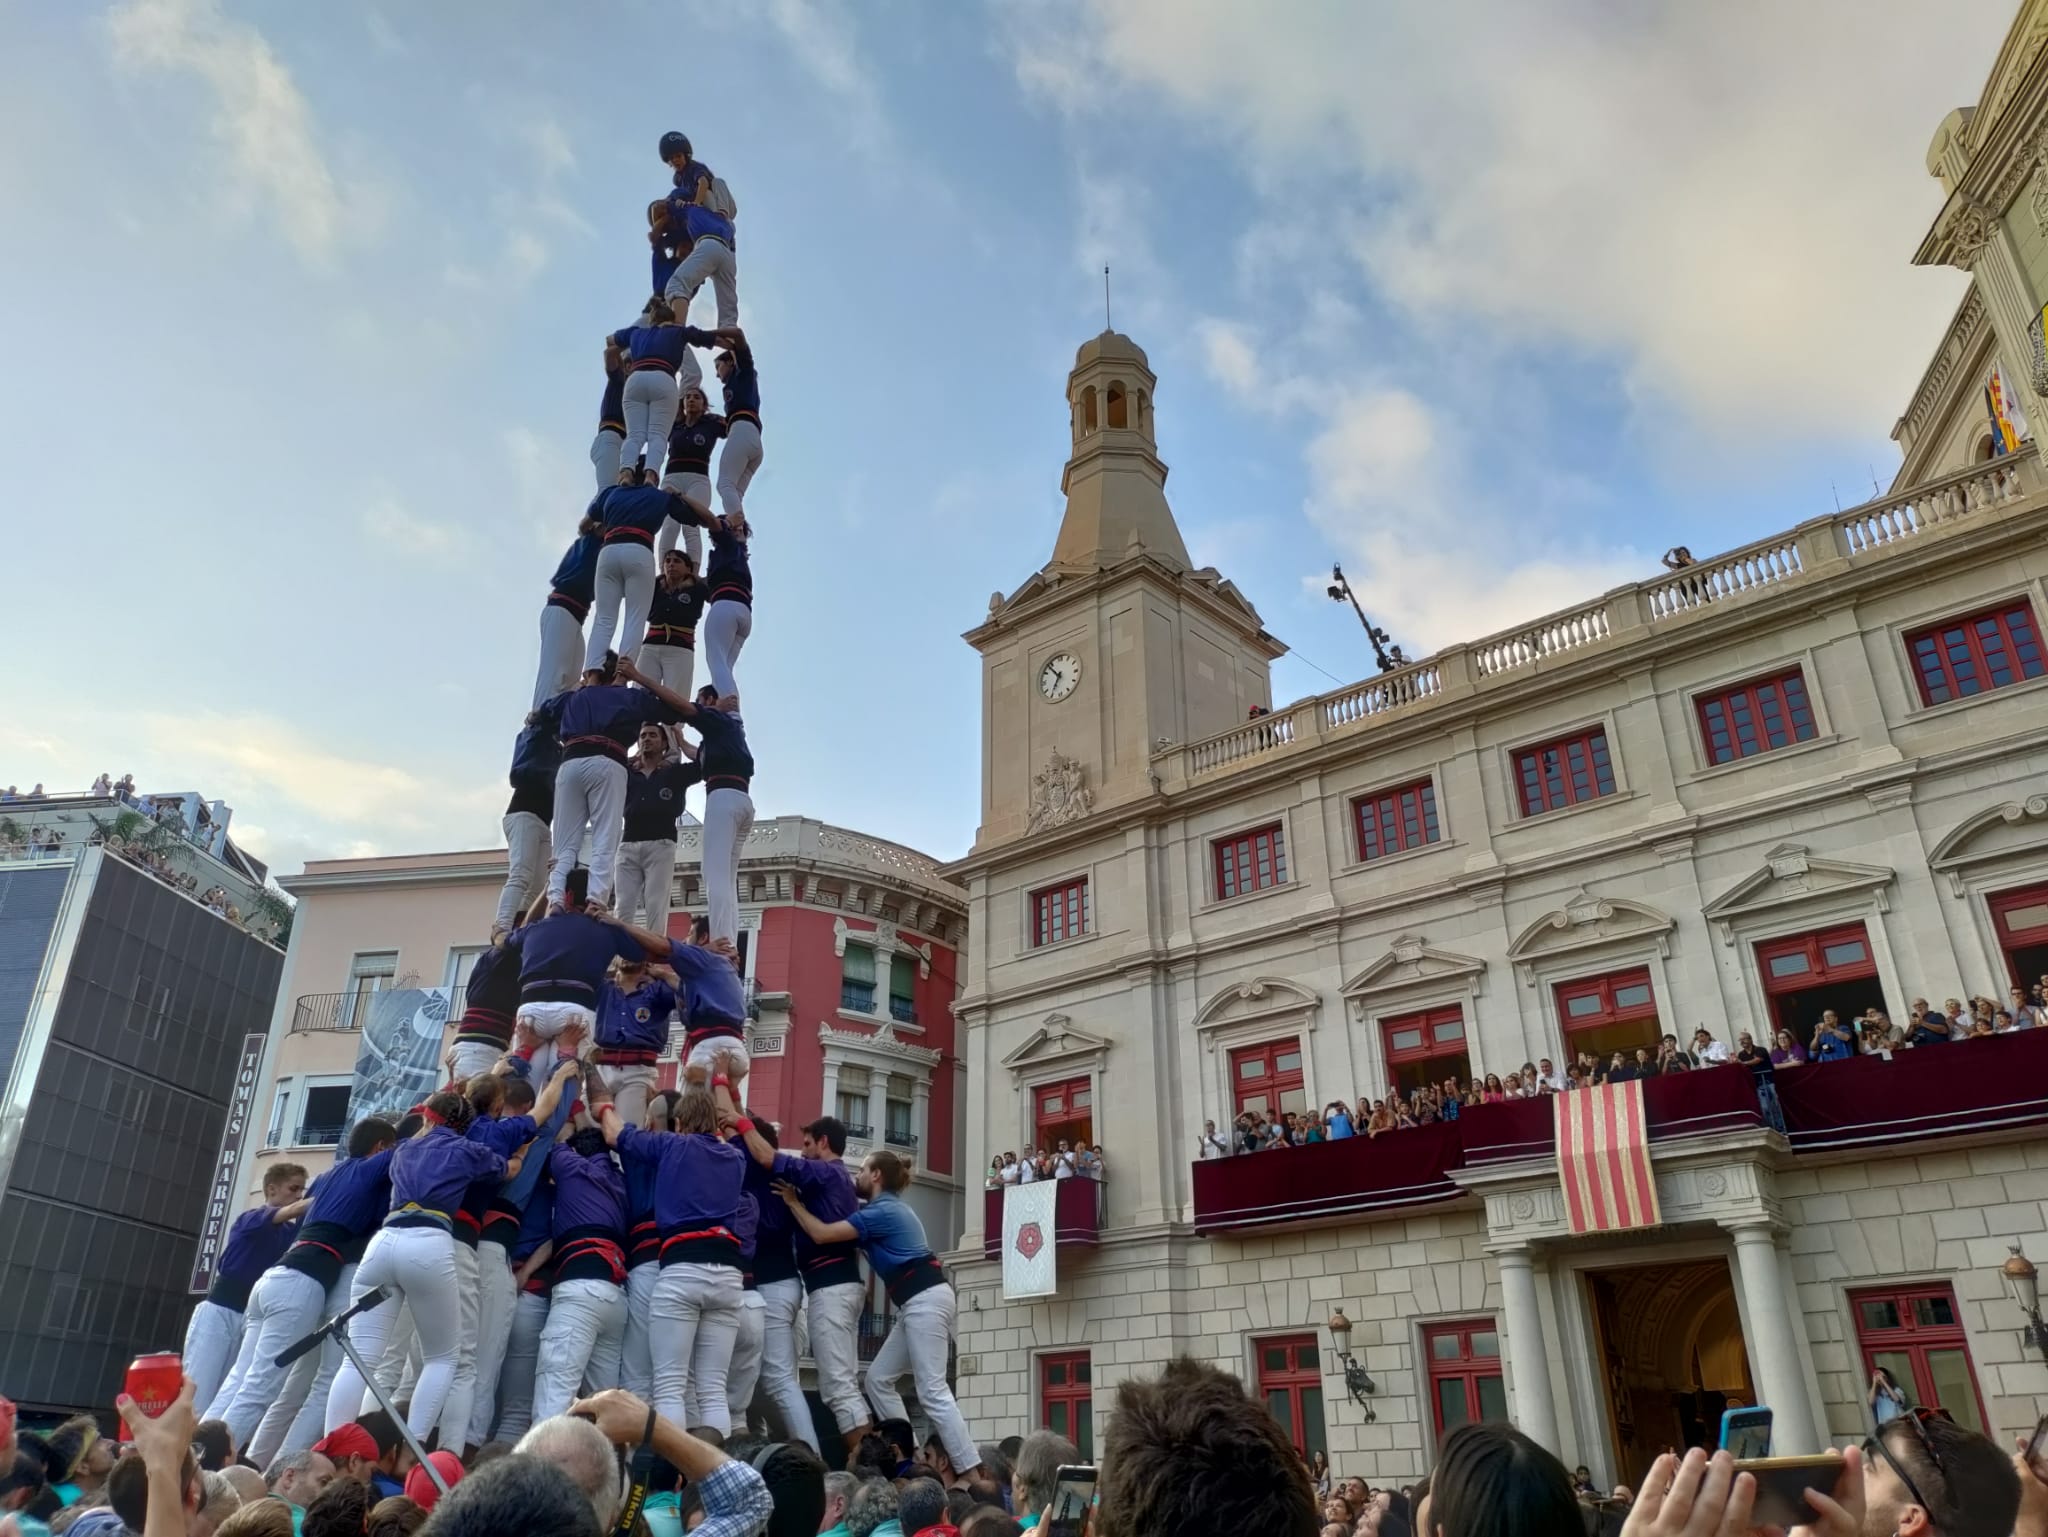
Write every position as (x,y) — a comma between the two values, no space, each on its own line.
(2023,1282)
(1356,1381)
(1340,592)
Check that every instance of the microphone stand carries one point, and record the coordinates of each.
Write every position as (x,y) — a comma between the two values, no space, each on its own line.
(337,1326)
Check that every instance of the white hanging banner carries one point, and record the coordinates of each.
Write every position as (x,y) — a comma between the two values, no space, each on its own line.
(1030,1257)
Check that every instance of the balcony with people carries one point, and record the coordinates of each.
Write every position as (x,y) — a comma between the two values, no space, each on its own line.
(1065,1153)
(1972,1068)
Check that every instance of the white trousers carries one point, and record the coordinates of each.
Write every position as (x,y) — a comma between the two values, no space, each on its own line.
(708,1053)
(561,652)
(495,1298)
(782,1303)
(548,1021)
(695,489)
(472,1057)
(636,1358)
(213,1339)
(307,1417)
(590,796)
(918,1342)
(284,1306)
(647,872)
(625,581)
(835,1347)
(419,1265)
(651,399)
(745,1370)
(461,1402)
(526,862)
(737,461)
(728,817)
(604,456)
(671,666)
(630,1087)
(586,1327)
(522,1362)
(693,1320)
(725,630)
(711,259)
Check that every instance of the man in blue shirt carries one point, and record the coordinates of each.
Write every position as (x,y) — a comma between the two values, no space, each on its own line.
(256,1241)
(893,1239)
(704,236)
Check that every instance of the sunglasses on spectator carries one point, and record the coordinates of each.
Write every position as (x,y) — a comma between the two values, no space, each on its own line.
(1916,1420)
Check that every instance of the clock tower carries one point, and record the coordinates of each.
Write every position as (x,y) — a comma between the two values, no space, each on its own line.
(1116,646)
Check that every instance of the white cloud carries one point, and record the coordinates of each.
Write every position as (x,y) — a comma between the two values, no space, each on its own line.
(1432,560)
(389,522)
(260,118)
(1723,198)
(550,486)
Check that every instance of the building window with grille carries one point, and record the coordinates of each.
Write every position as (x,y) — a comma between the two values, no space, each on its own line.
(851,1104)
(1250,862)
(857,979)
(1267,1079)
(903,989)
(1603,1015)
(897,1105)
(1756,717)
(1291,1384)
(1394,820)
(1915,1333)
(1465,1385)
(1059,912)
(1066,1399)
(1426,1047)
(1567,772)
(1961,657)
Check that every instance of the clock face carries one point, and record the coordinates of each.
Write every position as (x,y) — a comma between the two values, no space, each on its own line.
(1058,677)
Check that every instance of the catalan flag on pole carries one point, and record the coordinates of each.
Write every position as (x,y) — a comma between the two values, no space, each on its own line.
(1603,1159)
(2005,436)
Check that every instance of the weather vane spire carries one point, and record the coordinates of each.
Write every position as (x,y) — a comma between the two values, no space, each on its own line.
(1105,298)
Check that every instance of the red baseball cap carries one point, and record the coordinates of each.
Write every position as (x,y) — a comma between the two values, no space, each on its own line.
(350,1440)
(419,1487)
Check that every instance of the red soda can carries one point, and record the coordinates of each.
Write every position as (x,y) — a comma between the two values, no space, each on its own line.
(154,1382)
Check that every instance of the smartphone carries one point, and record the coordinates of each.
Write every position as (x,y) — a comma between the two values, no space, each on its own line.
(1781,1485)
(1746,1434)
(2037,1449)
(1073,1495)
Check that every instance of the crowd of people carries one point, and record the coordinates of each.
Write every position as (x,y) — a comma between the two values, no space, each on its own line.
(1066,1160)
(1186,1453)
(1872,1033)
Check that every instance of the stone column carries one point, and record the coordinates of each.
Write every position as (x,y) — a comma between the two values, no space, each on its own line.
(1772,1344)
(1535,1407)
(830,1091)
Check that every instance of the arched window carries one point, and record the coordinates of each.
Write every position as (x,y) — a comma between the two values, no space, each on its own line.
(1144,412)
(1985,449)
(1118,409)
(1088,409)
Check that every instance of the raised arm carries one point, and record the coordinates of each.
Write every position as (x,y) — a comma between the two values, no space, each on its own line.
(293,1212)
(658,689)
(758,1147)
(551,1095)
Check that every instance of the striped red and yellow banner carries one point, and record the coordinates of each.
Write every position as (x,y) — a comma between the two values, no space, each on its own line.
(1603,1158)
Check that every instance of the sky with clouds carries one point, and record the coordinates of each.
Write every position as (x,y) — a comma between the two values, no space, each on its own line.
(304,307)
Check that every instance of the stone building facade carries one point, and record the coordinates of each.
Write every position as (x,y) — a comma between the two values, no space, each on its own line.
(1806,775)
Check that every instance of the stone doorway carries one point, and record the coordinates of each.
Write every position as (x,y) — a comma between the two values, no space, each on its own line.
(1671,1357)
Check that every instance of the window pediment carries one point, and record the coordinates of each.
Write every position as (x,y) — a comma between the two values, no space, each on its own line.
(1058,1042)
(1587,922)
(1793,874)
(1991,834)
(883,1046)
(1253,1000)
(1413,963)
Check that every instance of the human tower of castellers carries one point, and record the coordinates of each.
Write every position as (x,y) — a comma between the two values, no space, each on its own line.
(547,1224)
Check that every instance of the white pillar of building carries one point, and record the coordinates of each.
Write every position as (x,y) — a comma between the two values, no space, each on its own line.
(1535,1407)
(1773,1347)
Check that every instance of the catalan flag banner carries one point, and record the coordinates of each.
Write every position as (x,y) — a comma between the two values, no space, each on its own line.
(2005,437)
(1603,1158)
